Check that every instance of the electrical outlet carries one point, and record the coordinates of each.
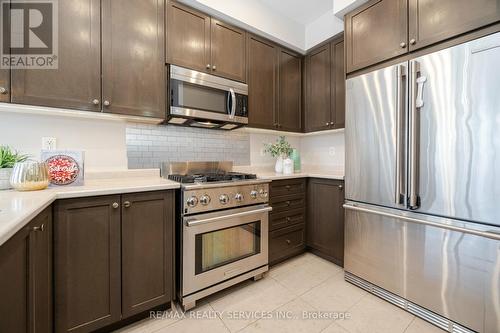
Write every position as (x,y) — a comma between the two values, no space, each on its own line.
(49,143)
(332,151)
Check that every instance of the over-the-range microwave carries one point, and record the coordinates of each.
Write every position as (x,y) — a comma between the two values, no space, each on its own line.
(199,99)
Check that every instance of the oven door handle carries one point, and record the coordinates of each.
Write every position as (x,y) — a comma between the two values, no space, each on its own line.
(194,222)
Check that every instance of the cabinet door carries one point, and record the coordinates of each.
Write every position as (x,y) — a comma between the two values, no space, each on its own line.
(318,111)
(188,37)
(434,21)
(262,83)
(26,278)
(290,91)
(375,32)
(76,84)
(133,60)
(87,263)
(5,72)
(326,218)
(147,250)
(338,84)
(228,46)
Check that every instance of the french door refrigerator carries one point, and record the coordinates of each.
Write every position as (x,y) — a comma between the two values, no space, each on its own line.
(423,185)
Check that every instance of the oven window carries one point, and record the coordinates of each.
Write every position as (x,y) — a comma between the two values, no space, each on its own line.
(224,246)
(192,96)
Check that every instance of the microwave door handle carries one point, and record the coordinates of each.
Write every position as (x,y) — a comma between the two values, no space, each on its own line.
(233,103)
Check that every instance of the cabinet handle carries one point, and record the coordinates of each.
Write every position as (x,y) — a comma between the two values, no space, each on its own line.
(40,228)
(341,187)
(127,204)
(214,67)
(3,91)
(288,203)
(413,41)
(403,45)
(107,103)
(288,241)
(288,187)
(95,102)
(115,205)
(288,219)
(208,66)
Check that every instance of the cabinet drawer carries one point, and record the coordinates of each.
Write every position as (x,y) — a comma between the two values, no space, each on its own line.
(286,241)
(288,218)
(288,202)
(289,186)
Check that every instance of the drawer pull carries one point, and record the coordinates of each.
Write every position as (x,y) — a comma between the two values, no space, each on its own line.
(288,241)
(288,187)
(288,203)
(288,219)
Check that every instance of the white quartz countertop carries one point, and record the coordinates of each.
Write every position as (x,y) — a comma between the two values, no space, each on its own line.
(18,208)
(278,176)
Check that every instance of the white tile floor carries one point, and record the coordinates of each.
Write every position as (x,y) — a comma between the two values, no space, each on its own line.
(305,286)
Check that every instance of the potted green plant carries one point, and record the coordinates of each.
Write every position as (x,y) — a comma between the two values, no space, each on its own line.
(280,150)
(8,157)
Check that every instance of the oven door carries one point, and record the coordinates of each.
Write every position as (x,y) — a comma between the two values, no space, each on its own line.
(201,96)
(221,245)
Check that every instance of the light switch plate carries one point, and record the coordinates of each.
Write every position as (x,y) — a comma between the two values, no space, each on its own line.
(49,143)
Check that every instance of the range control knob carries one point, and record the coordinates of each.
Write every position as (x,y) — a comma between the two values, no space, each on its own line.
(224,199)
(263,193)
(205,200)
(238,197)
(254,194)
(192,201)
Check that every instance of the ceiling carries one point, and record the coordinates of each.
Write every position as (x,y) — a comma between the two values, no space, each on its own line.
(301,11)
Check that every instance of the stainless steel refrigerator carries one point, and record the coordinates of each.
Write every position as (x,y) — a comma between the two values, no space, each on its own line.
(423,185)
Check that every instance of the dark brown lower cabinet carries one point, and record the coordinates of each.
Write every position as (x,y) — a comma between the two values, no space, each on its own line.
(147,251)
(287,221)
(113,258)
(26,278)
(325,219)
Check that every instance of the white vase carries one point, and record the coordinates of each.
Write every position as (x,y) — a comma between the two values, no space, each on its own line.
(5,178)
(278,167)
(288,166)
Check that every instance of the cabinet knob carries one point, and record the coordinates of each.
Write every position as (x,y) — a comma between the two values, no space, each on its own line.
(288,187)
(107,103)
(3,91)
(403,45)
(341,187)
(413,41)
(115,205)
(127,204)
(214,67)
(288,219)
(40,228)
(327,124)
(288,203)
(288,241)
(208,66)
(95,102)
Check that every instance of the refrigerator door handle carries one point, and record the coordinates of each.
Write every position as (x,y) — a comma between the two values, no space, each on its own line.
(400,218)
(400,139)
(414,200)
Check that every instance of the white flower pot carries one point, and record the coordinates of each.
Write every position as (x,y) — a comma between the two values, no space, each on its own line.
(5,178)
(278,167)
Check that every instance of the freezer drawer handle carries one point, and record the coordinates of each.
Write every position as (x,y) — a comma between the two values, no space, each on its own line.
(194,222)
(487,234)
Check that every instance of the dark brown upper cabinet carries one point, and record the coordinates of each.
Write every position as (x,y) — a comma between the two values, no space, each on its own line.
(188,37)
(87,263)
(434,21)
(325,218)
(133,59)
(338,84)
(262,83)
(199,42)
(26,278)
(376,31)
(4,85)
(319,86)
(113,258)
(76,84)
(147,250)
(228,51)
(290,91)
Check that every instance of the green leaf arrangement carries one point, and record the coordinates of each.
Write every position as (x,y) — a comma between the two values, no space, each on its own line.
(9,157)
(280,148)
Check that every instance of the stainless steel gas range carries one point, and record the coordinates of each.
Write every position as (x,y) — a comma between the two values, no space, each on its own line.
(222,232)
